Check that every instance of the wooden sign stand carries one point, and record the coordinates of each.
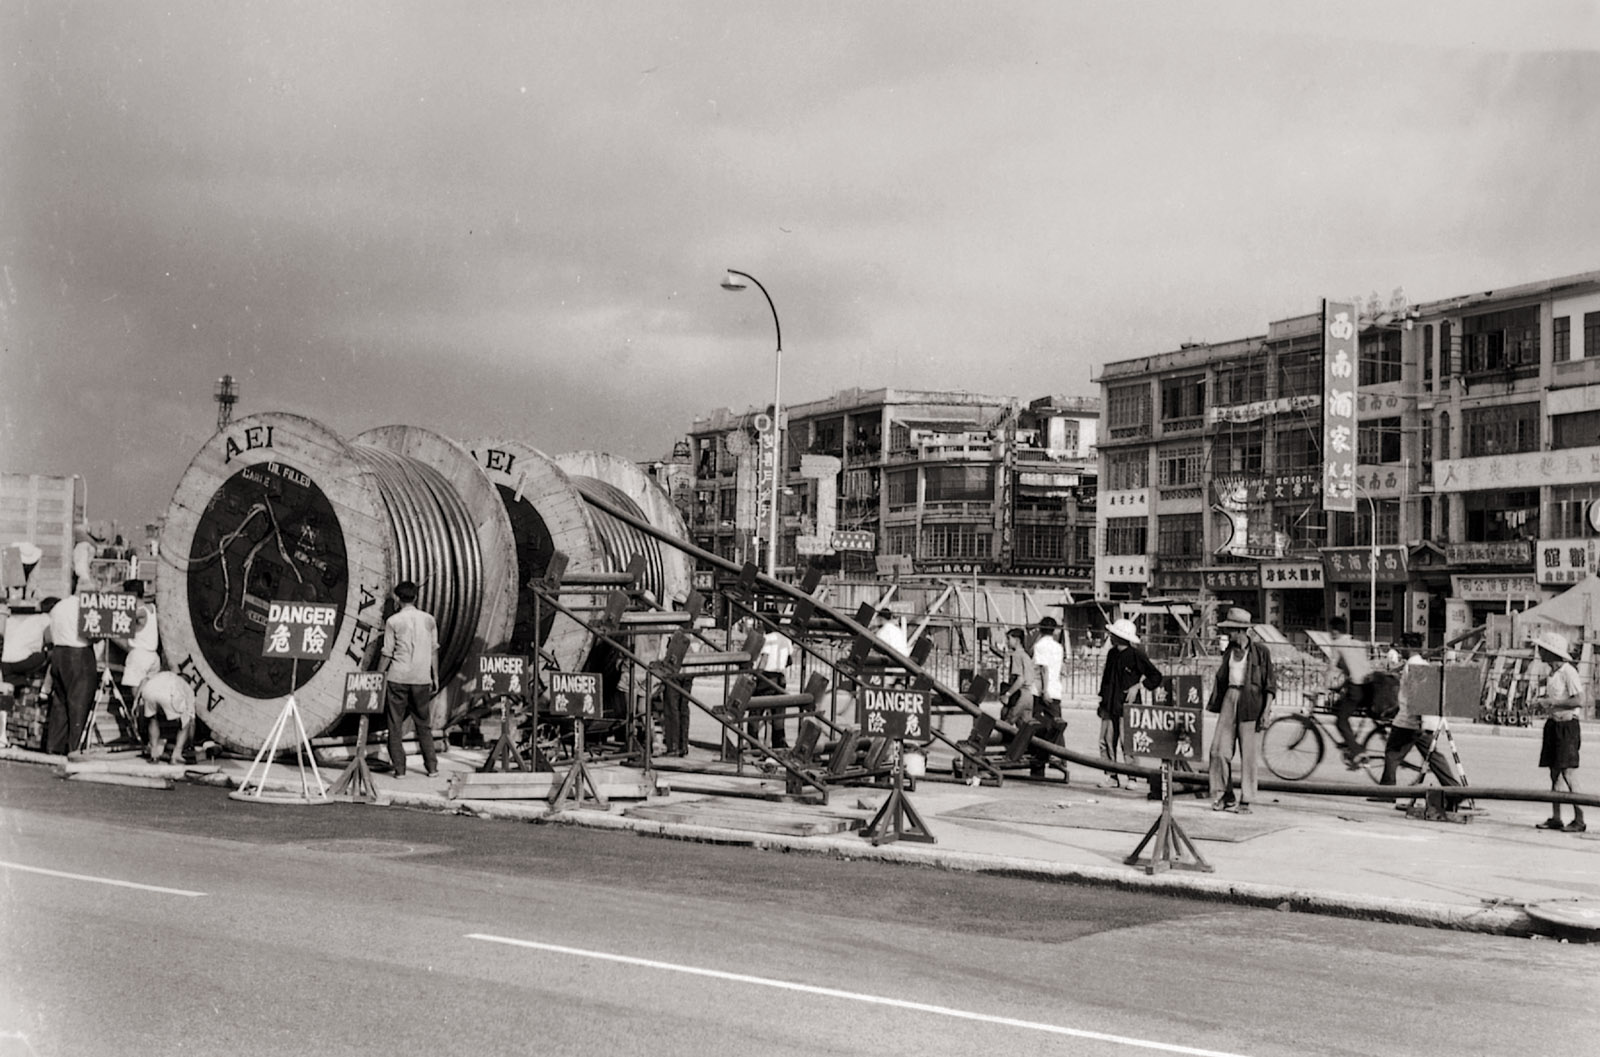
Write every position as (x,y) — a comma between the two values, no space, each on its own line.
(577,784)
(355,783)
(897,819)
(263,760)
(1170,839)
(506,755)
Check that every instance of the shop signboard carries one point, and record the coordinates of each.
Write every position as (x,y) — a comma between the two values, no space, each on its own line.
(1348,565)
(1283,405)
(1131,502)
(1562,561)
(1301,575)
(1498,552)
(1527,469)
(1417,610)
(1339,383)
(1170,727)
(1123,568)
(854,540)
(1247,577)
(1509,587)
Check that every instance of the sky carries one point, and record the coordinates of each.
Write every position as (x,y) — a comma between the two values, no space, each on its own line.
(512,219)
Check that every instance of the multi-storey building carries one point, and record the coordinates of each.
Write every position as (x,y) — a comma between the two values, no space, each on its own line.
(1477,464)
(902,481)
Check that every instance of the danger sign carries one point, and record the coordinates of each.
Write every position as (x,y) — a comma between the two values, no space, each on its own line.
(300,630)
(103,614)
(892,712)
(575,694)
(1168,729)
(503,674)
(363,693)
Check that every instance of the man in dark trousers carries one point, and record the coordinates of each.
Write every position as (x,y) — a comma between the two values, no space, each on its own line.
(1127,668)
(76,677)
(411,661)
(1240,699)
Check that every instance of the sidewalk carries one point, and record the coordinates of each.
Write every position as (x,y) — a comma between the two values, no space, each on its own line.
(1341,856)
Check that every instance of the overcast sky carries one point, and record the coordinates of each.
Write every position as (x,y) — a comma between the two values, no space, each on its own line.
(512,218)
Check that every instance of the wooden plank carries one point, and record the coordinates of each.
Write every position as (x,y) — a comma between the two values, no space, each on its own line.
(687,814)
(141,781)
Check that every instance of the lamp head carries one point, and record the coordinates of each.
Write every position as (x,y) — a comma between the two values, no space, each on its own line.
(732,281)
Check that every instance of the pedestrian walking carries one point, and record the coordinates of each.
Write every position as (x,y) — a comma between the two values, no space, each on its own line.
(1127,668)
(411,661)
(1562,700)
(772,666)
(1240,698)
(1022,678)
(1048,657)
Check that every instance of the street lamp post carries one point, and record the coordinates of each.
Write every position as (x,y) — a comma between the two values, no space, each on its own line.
(737,280)
(1372,569)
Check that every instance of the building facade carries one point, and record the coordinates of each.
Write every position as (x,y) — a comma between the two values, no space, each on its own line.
(891,482)
(1477,463)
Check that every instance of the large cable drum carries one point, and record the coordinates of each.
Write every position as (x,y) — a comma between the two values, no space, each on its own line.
(278,508)
(649,499)
(547,513)
(274,507)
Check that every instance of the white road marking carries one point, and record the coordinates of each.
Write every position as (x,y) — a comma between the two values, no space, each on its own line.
(99,880)
(879,1000)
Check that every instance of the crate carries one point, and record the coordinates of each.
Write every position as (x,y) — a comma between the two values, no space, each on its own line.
(25,720)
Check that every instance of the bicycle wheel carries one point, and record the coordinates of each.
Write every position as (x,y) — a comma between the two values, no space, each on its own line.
(1411,770)
(1291,747)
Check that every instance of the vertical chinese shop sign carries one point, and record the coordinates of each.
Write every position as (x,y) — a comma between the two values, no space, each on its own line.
(1339,380)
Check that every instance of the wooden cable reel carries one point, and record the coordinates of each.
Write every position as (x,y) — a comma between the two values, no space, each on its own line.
(549,511)
(276,507)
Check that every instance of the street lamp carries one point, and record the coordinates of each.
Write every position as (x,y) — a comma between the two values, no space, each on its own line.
(1372,567)
(737,280)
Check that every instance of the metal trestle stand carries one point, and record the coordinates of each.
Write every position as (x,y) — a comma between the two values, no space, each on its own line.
(1170,839)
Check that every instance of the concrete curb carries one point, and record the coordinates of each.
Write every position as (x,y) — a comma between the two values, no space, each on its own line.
(1499,920)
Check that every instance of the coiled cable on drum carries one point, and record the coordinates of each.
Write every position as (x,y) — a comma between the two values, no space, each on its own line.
(434,546)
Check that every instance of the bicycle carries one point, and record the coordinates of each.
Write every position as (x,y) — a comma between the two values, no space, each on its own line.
(1293,745)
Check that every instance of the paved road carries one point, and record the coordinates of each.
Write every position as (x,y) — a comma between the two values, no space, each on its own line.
(347,929)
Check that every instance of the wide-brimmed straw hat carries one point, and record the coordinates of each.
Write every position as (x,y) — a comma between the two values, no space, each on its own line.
(1235,617)
(1124,630)
(1555,642)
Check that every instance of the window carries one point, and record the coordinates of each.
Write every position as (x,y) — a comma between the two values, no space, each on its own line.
(1182,398)
(1127,470)
(1427,356)
(1082,544)
(902,486)
(1380,356)
(1561,339)
(1128,411)
(1449,353)
(1579,430)
(1297,448)
(1036,542)
(1569,509)
(1444,434)
(899,437)
(1497,341)
(1240,385)
(727,504)
(959,484)
(1591,334)
(956,541)
(1378,441)
(1180,535)
(1300,373)
(901,539)
(1355,530)
(1127,535)
(1496,516)
(1236,450)
(1427,447)
(1306,527)
(1500,430)
(827,436)
(1179,465)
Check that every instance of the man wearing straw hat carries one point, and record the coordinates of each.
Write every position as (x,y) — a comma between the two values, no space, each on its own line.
(1127,668)
(1240,699)
(1563,734)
